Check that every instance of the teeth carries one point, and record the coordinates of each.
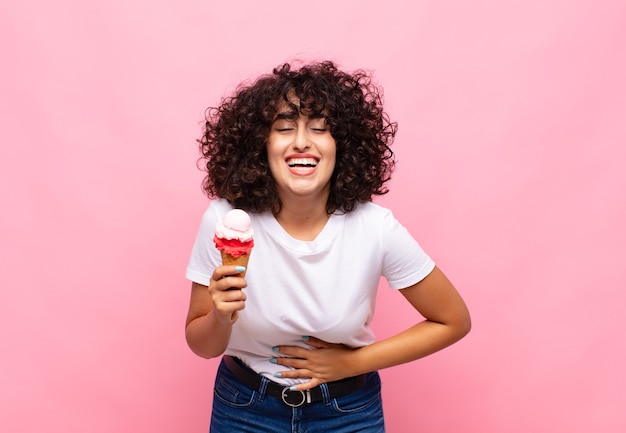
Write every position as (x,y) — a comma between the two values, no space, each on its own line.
(309,162)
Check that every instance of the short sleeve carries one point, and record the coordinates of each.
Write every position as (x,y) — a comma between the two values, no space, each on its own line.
(404,261)
(204,256)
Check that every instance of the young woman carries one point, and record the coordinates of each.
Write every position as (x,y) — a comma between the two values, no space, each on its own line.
(304,150)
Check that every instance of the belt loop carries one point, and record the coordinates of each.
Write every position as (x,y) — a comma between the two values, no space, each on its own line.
(263,388)
(325,393)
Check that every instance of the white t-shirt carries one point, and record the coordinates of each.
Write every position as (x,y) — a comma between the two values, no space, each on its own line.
(325,288)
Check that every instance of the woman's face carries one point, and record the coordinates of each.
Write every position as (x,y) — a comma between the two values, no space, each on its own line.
(301,154)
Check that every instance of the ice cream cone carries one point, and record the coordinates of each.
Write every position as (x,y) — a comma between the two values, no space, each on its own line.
(242,260)
(233,238)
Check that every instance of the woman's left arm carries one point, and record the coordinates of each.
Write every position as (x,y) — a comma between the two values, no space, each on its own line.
(447,320)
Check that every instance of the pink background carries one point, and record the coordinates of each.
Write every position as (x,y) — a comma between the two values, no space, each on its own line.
(511,155)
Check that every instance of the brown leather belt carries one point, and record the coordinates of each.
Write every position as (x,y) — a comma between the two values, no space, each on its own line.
(292,398)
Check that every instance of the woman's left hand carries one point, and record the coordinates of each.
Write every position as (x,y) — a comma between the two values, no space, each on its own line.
(323,362)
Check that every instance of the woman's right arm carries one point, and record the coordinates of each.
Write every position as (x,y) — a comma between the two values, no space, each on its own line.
(213,310)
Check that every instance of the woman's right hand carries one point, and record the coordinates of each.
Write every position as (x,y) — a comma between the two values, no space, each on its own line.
(226,293)
(212,311)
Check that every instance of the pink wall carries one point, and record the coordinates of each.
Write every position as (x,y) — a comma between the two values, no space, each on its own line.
(511,174)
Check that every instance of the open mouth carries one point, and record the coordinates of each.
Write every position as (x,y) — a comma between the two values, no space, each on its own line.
(302,162)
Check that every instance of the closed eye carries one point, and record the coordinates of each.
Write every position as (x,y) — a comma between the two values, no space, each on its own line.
(318,124)
(283,125)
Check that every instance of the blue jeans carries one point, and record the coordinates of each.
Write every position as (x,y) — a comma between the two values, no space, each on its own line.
(237,408)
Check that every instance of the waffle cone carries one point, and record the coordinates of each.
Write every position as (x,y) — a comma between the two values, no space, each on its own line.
(227,259)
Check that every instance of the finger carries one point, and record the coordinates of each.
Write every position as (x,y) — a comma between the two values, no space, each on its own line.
(229,303)
(298,364)
(228,283)
(231,295)
(292,351)
(295,374)
(224,271)
(307,385)
(316,342)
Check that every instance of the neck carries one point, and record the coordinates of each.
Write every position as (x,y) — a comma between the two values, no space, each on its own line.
(303,220)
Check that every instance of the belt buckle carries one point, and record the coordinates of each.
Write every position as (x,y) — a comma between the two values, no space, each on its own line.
(305,397)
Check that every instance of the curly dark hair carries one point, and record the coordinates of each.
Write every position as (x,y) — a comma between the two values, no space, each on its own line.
(233,143)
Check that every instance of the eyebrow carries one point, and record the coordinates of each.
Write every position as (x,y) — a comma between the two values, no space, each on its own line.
(287,115)
(292,114)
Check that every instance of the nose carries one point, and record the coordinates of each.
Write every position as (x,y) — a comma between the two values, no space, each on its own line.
(301,141)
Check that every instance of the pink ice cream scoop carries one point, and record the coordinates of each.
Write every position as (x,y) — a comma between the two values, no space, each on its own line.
(233,237)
